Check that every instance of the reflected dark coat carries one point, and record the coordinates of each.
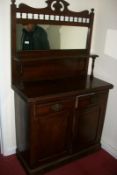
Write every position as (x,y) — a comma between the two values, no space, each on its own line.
(35,40)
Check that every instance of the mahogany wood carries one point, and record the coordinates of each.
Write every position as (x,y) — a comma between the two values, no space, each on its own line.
(58,121)
(57,9)
(59,109)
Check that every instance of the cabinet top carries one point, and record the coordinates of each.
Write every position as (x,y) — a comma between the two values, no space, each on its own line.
(42,90)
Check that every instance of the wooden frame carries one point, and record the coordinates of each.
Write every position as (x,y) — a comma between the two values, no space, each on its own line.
(56,12)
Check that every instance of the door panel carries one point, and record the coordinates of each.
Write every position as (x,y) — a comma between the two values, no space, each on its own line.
(52,131)
(89,119)
(87,125)
(86,120)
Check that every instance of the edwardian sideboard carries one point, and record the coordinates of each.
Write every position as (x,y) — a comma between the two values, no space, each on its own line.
(59,108)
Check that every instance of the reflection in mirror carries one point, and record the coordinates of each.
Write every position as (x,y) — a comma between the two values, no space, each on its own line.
(51,37)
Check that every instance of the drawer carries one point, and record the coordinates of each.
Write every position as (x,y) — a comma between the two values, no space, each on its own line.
(58,106)
(86,100)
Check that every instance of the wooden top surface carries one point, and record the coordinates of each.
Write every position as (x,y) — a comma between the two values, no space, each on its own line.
(34,91)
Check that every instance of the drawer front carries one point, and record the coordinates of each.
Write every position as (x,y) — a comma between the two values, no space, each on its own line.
(55,107)
(86,100)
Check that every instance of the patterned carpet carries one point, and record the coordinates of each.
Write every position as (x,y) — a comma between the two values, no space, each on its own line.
(99,163)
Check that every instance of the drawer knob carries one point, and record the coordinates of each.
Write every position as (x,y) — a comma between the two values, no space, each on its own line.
(56,107)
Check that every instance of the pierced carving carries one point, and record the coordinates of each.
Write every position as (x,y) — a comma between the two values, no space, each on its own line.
(58,6)
(55,11)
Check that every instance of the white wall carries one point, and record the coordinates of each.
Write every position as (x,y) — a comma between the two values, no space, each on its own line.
(105,67)
(6,94)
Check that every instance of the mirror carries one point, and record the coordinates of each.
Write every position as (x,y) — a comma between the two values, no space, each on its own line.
(57,37)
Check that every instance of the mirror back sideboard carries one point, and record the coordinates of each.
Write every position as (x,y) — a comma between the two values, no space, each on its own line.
(59,108)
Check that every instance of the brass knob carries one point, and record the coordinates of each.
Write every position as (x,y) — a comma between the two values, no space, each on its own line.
(56,107)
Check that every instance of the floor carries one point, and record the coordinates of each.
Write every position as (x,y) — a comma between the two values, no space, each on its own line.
(99,163)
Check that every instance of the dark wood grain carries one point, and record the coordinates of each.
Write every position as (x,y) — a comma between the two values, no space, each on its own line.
(59,109)
(63,123)
(84,19)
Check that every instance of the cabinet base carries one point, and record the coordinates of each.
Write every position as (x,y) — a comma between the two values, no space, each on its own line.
(49,166)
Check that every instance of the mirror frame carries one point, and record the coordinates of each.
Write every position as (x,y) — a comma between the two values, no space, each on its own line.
(56,13)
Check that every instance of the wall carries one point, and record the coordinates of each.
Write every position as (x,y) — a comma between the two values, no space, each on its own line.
(6,94)
(104,68)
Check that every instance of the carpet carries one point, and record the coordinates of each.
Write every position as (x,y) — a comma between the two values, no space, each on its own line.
(99,163)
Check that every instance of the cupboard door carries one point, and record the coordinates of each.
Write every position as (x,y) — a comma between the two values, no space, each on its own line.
(87,126)
(89,120)
(51,131)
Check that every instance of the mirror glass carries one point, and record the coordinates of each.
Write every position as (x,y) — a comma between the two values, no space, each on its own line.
(44,37)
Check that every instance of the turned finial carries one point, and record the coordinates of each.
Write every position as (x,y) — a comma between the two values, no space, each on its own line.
(93,64)
(13,1)
(92,10)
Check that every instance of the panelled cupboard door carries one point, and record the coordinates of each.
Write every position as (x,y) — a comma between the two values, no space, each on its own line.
(51,131)
(88,120)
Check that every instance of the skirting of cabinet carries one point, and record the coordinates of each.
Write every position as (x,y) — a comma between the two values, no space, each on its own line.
(48,166)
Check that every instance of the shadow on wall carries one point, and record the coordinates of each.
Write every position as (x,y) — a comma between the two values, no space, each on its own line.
(111,43)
